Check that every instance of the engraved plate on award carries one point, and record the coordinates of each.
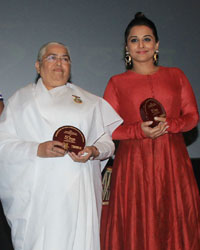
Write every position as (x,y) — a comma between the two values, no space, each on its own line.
(151,108)
(72,137)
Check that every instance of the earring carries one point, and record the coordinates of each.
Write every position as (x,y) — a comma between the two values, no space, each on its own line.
(155,56)
(128,59)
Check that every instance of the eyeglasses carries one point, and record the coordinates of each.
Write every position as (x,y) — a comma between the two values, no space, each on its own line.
(54,58)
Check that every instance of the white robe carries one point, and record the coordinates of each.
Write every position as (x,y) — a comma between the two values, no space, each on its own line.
(53,203)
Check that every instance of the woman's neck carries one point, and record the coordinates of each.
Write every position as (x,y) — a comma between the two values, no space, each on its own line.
(145,68)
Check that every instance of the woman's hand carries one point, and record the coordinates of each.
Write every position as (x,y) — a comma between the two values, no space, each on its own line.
(85,154)
(157,131)
(51,149)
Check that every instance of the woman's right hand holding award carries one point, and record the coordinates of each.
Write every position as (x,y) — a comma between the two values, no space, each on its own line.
(157,131)
(154,116)
(74,144)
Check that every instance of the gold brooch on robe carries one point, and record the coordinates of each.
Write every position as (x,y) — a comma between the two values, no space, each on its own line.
(77,99)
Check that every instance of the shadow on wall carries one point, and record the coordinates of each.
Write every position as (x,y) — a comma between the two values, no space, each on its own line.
(191,136)
(196,168)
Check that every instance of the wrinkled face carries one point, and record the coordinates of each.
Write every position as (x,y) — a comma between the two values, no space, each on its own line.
(55,66)
(141,44)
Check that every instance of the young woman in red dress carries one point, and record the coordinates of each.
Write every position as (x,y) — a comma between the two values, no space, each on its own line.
(154,203)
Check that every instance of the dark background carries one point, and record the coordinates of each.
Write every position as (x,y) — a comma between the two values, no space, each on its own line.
(93,30)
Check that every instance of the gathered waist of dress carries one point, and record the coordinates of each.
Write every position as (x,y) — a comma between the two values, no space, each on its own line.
(164,138)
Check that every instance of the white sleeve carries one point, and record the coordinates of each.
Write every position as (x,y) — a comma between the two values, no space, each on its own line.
(105,146)
(12,148)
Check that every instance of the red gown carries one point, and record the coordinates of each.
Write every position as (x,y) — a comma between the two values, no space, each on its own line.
(154,203)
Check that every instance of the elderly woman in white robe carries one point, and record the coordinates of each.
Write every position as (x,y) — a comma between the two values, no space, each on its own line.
(52,198)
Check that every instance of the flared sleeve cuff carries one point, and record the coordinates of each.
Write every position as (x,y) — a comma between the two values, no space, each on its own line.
(129,131)
(105,146)
(182,124)
(111,119)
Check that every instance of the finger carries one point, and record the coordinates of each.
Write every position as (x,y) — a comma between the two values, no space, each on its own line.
(82,152)
(85,152)
(56,154)
(58,143)
(147,124)
(85,157)
(73,156)
(78,158)
(164,129)
(160,126)
(161,132)
(163,126)
(57,151)
(155,130)
(160,119)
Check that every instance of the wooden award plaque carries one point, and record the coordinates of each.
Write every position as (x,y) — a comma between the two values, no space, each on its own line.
(151,108)
(72,137)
